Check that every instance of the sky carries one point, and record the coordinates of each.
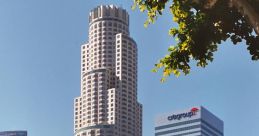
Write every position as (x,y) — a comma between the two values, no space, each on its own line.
(40,70)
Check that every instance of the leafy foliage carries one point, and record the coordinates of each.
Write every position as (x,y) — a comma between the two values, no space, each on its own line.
(202,26)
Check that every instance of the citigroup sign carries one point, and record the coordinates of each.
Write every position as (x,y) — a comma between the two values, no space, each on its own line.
(189,114)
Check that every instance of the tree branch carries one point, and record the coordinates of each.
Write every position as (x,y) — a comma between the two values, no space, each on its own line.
(247,10)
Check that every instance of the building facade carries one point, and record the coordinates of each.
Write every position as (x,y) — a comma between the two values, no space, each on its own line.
(13,133)
(108,103)
(196,121)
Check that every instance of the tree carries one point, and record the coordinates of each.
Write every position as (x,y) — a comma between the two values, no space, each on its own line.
(202,26)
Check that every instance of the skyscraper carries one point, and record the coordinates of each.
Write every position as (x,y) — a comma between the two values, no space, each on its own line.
(108,103)
(13,133)
(195,121)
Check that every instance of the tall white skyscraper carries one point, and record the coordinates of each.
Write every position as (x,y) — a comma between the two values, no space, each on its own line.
(108,103)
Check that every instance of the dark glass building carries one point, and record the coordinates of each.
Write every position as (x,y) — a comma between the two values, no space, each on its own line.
(13,133)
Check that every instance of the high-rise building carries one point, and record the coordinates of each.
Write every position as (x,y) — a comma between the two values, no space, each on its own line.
(196,121)
(108,103)
(13,133)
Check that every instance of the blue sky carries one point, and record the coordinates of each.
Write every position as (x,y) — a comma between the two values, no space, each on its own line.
(40,70)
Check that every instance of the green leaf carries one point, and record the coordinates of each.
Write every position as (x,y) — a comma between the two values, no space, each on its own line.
(154,70)
(142,8)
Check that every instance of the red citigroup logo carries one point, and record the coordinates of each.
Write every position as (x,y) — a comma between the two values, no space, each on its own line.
(195,110)
(189,114)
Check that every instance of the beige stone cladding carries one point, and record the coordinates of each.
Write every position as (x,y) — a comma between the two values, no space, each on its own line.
(108,103)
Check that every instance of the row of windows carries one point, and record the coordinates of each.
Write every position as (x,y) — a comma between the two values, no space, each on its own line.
(108,23)
(106,55)
(109,49)
(105,44)
(97,133)
(105,32)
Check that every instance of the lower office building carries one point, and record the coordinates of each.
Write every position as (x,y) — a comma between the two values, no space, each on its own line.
(195,121)
(13,133)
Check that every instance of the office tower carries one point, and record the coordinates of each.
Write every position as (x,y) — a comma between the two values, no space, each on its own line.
(108,103)
(13,133)
(196,121)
